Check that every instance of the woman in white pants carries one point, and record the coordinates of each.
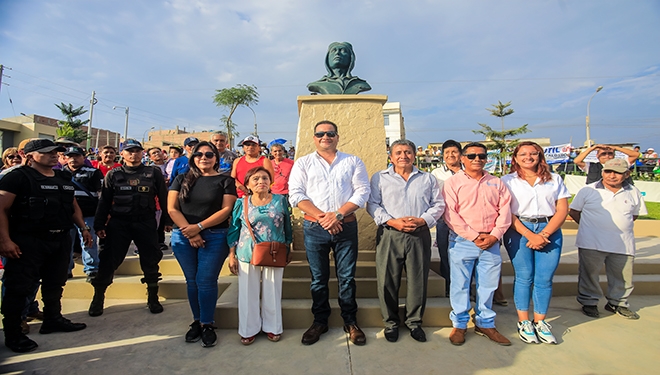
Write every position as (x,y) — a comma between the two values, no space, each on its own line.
(270,220)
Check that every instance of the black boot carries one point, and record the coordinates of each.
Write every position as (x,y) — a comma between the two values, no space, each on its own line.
(152,300)
(15,339)
(96,307)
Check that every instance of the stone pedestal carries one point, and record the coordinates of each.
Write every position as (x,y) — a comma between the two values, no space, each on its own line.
(361,133)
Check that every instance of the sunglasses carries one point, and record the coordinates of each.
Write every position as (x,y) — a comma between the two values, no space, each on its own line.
(207,154)
(330,134)
(11,157)
(474,156)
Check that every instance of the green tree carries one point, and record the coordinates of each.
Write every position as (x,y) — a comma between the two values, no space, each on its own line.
(500,139)
(71,127)
(232,98)
(230,128)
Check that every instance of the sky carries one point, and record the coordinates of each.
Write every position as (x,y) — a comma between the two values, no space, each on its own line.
(444,61)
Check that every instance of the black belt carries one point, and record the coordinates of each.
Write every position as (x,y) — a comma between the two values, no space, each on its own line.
(535,220)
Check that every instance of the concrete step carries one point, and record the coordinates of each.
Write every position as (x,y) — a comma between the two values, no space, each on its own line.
(296,312)
(570,268)
(366,287)
(567,285)
(130,287)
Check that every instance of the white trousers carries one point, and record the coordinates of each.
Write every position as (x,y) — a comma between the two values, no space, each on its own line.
(259,314)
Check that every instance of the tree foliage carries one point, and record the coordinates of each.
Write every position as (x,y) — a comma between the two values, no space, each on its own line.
(232,98)
(500,139)
(230,128)
(71,127)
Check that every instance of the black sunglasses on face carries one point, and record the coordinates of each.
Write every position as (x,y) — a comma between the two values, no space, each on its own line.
(208,154)
(11,157)
(330,134)
(473,156)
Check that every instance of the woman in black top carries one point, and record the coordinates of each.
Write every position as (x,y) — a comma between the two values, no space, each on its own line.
(199,203)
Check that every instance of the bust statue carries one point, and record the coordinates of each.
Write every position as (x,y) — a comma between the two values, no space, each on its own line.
(339,62)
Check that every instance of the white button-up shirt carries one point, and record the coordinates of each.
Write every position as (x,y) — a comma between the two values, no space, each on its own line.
(329,186)
(535,201)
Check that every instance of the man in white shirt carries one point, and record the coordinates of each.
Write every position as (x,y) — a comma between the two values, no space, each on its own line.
(605,211)
(329,186)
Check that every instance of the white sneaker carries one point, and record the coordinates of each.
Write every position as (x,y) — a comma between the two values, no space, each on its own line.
(543,331)
(526,332)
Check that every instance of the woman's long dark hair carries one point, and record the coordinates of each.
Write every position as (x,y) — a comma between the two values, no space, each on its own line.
(542,167)
(194,172)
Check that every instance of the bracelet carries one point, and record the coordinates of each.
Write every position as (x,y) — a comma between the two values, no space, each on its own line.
(201,227)
(526,232)
(545,234)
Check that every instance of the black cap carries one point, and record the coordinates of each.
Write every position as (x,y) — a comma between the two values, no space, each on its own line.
(131,143)
(42,145)
(190,140)
(74,150)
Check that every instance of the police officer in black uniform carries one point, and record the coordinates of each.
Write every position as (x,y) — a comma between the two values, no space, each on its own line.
(128,197)
(37,211)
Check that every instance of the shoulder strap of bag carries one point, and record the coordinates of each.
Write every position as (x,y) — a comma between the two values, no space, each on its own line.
(247,220)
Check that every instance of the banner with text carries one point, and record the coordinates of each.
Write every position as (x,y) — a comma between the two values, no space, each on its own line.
(557,154)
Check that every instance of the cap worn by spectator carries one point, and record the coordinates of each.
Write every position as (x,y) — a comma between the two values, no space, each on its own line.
(190,141)
(616,165)
(250,138)
(74,150)
(42,145)
(178,148)
(131,143)
(66,142)
(650,149)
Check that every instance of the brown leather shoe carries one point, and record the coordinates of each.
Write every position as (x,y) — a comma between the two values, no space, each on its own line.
(313,334)
(355,334)
(493,335)
(457,336)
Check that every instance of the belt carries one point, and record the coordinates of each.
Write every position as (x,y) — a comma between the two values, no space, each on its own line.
(347,219)
(535,220)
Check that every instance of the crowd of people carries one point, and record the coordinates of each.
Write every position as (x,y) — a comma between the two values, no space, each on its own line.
(220,206)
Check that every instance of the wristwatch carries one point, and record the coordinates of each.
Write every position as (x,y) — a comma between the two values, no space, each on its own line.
(201,227)
(339,216)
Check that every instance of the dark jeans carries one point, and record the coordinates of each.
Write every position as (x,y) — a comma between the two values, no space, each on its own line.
(318,243)
(44,257)
(442,238)
(119,234)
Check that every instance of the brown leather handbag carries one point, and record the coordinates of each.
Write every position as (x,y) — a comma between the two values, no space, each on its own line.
(268,253)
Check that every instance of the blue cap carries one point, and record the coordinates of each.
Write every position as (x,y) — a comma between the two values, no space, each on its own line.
(131,143)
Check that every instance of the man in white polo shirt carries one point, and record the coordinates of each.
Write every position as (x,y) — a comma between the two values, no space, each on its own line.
(605,211)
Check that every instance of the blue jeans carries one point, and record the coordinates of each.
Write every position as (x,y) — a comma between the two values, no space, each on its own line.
(318,243)
(464,256)
(533,267)
(201,267)
(90,255)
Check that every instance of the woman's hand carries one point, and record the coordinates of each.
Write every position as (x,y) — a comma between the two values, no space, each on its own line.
(190,231)
(233,264)
(536,241)
(196,241)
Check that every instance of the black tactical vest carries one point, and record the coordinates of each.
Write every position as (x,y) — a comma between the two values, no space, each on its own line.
(49,204)
(134,193)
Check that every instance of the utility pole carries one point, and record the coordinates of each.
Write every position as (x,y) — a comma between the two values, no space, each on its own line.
(1,69)
(92,101)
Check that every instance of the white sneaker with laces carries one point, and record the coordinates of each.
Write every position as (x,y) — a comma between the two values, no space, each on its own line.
(543,332)
(526,332)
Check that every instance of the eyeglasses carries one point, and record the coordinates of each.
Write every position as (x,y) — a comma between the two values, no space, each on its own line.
(330,134)
(207,154)
(530,154)
(11,157)
(473,156)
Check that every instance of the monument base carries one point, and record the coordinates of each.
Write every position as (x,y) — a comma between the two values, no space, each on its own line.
(361,129)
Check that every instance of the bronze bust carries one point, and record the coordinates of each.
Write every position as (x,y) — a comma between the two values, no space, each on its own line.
(339,62)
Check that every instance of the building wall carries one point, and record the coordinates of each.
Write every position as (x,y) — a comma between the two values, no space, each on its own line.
(394,128)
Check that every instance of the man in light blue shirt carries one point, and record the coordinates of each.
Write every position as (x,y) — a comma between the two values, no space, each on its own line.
(405,202)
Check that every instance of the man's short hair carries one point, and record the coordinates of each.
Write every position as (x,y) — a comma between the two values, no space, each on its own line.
(109,147)
(404,142)
(153,148)
(474,144)
(451,143)
(219,132)
(327,122)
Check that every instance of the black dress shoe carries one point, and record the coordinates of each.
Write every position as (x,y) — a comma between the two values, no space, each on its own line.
(418,334)
(21,344)
(313,334)
(355,334)
(60,324)
(392,334)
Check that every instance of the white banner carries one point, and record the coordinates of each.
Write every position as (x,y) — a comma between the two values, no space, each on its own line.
(557,154)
